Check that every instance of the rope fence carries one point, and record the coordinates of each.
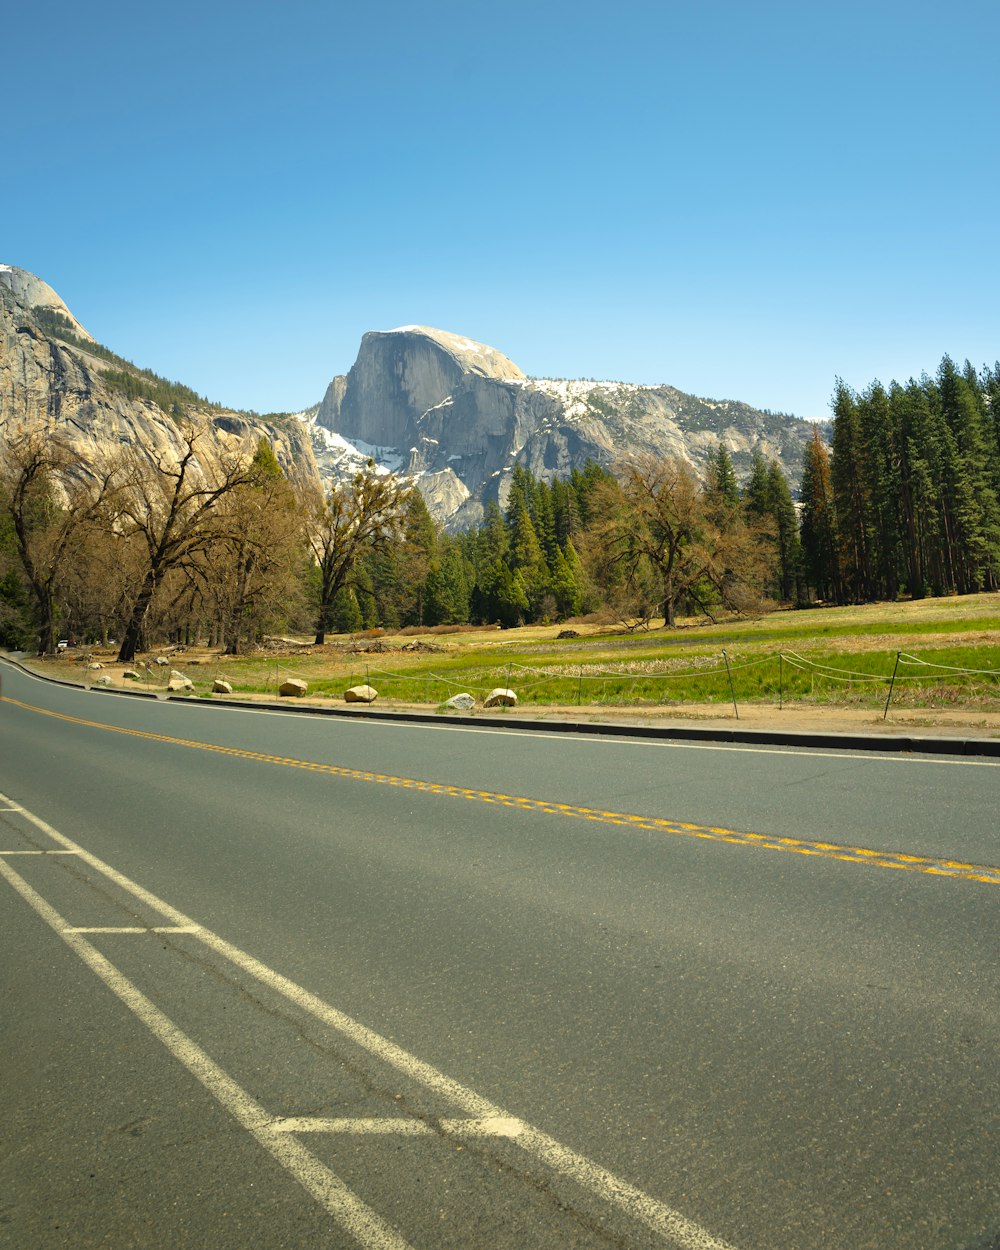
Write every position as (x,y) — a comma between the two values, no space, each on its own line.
(777,677)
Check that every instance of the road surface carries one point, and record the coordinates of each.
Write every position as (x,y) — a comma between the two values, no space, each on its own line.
(304,981)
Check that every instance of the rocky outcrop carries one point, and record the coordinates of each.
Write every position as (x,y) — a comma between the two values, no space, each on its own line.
(56,383)
(32,292)
(456,416)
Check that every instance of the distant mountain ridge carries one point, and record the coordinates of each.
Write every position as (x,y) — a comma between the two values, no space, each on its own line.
(457,415)
(452,414)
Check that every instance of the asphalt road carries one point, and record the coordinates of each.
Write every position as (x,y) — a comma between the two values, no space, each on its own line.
(297,981)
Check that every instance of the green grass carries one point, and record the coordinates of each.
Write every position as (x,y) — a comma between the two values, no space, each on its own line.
(653,678)
(847,659)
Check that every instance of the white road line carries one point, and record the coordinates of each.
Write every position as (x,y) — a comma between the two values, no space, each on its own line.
(612,1189)
(364,1224)
(10,809)
(407,1127)
(163,928)
(596,738)
(374,1127)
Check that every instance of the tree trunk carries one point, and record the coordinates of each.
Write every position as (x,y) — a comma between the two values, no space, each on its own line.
(46,624)
(133,630)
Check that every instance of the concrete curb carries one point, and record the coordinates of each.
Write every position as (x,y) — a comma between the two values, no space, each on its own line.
(899,743)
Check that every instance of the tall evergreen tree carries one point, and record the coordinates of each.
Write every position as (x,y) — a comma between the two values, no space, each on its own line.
(881,468)
(721,486)
(756,495)
(786,525)
(851,494)
(415,554)
(975,509)
(818,531)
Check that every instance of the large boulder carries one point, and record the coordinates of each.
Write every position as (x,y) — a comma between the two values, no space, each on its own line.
(221,687)
(179,682)
(461,703)
(360,694)
(295,687)
(500,697)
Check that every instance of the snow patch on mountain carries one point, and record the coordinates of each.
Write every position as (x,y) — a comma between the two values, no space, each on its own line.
(338,457)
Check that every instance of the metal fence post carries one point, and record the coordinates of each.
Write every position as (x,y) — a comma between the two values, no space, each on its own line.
(891,684)
(732,688)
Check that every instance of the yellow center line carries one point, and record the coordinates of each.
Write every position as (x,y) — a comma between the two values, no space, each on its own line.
(938,867)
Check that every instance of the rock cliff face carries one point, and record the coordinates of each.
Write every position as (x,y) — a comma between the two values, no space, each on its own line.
(457,416)
(56,384)
(452,414)
(401,374)
(32,292)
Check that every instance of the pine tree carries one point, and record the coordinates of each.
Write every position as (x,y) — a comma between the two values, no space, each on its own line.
(721,486)
(566,587)
(447,594)
(345,614)
(527,560)
(975,507)
(756,494)
(851,494)
(415,554)
(818,532)
(782,512)
(566,512)
(881,467)
(544,520)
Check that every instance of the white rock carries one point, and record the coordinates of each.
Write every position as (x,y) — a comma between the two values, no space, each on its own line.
(95,665)
(162,661)
(103,681)
(221,687)
(500,697)
(179,682)
(361,694)
(130,672)
(293,686)
(461,702)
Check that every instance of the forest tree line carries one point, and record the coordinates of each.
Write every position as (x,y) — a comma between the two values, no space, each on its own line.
(904,501)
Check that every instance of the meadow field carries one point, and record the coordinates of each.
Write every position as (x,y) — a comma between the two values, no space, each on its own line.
(940,657)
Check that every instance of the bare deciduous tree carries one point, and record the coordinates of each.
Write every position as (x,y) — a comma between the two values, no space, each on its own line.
(172,510)
(350,521)
(254,570)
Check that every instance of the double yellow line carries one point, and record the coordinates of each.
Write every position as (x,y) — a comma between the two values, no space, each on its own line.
(797,846)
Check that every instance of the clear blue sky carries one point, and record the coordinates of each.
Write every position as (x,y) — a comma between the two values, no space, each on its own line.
(741,199)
